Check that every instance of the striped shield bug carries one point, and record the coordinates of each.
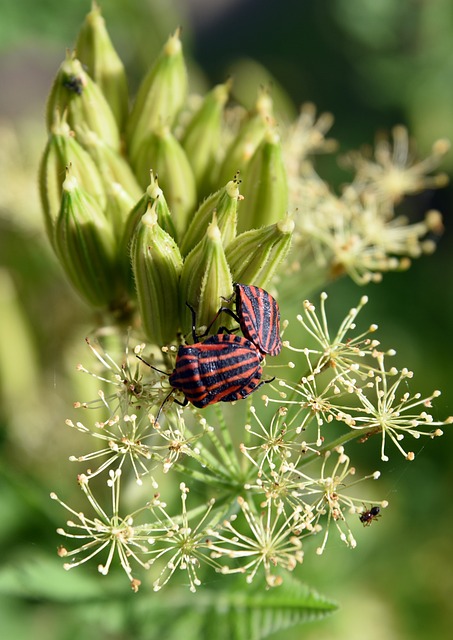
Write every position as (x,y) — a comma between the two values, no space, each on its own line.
(258,316)
(222,368)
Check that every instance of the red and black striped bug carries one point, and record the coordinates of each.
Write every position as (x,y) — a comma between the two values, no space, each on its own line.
(258,316)
(222,368)
(367,517)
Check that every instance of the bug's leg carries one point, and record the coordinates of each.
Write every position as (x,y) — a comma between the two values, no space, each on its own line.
(184,403)
(228,300)
(156,419)
(223,329)
(226,310)
(194,321)
(264,382)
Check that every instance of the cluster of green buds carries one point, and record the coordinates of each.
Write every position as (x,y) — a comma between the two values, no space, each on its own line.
(141,208)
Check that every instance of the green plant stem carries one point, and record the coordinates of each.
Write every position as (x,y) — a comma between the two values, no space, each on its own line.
(330,446)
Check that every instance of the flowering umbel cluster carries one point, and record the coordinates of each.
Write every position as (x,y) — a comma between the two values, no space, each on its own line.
(154,212)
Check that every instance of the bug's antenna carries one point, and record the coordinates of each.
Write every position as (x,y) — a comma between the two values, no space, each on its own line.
(152,367)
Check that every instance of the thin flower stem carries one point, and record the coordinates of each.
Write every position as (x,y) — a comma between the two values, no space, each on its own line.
(347,437)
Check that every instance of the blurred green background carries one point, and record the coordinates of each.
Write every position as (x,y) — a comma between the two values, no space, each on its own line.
(373,65)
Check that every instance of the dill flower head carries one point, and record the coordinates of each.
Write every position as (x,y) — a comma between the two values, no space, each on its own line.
(103,531)
(124,439)
(122,387)
(176,543)
(325,500)
(306,136)
(387,409)
(265,539)
(341,350)
(348,383)
(394,171)
(359,232)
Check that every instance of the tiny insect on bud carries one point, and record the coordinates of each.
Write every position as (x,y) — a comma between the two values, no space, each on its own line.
(97,53)
(75,92)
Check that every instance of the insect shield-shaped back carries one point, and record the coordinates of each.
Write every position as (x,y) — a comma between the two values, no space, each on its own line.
(223,368)
(259,318)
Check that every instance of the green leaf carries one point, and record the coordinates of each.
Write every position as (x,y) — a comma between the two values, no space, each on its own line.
(256,614)
(38,576)
(237,612)
(242,612)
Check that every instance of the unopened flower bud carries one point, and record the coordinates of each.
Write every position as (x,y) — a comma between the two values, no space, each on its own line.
(61,150)
(265,187)
(157,264)
(119,205)
(97,53)
(162,153)
(248,138)
(160,96)
(111,165)
(224,204)
(254,256)
(202,137)
(153,194)
(76,93)
(205,278)
(85,245)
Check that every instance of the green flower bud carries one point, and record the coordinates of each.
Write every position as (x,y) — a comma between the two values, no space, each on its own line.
(162,153)
(157,264)
(97,53)
(85,245)
(224,203)
(111,165)
(255,255)
(202,138)
(61,150)
(205,278)
(248,138)
(265,188)
(76,93)
(118,207)
(160,96)
(153,194)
